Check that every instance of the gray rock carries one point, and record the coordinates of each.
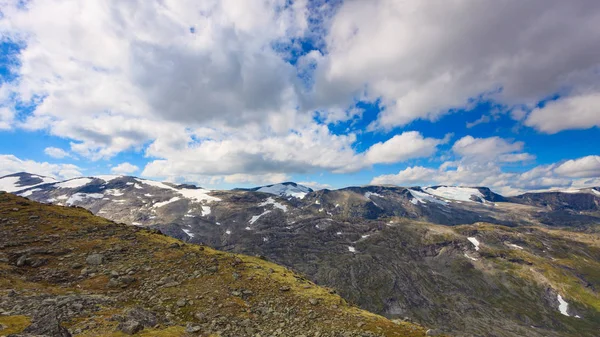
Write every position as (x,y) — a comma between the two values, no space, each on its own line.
(433,332)
(131,327)
(181,303)
(21,261)
(144,317)
(192,328)
(95,259)
(45,323)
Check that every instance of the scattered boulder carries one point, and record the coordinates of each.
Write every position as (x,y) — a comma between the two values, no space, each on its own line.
(46,323)
(433,332)
(130,327)
(144,317)
(192,328)
(95,259)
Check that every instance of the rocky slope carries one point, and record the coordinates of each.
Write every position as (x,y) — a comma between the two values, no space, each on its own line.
(65,272)
(390,249)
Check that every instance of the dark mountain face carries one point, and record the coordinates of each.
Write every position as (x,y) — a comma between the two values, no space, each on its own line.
(388,249)
(589,201)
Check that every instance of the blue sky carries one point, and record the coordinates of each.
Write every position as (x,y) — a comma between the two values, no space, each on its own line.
(231,95)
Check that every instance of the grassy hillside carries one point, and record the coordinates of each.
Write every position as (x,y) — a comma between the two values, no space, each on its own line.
(66,272)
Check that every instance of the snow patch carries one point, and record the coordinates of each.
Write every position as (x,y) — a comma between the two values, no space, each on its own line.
(271,201)
(30,192)
(470,258)
(108,177)
(563,306)
(228,232)
(368,195)
(248,228)
(9,184)
(136,223)
(188,232)
(74,183)
(162,203)
(195,195)
(475,242)
(455,193)
(351,249)
(205,210)
(114,192)
(297,191)
(420,197)
(256,217)
(82,196)
(512,245)
(138,186)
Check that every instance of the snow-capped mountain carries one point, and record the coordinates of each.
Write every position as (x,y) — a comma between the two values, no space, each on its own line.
(289,189)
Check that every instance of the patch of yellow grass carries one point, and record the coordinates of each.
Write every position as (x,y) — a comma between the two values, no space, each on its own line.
(14,324)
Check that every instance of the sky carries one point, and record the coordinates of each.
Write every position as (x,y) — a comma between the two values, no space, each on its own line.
(223,94)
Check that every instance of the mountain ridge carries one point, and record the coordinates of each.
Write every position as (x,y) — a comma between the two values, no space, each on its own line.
(493,196)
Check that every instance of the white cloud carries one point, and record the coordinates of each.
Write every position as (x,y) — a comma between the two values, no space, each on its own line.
(118,82)
(408,176)
(204,85)
(492,148)
(425,58)
(482,120)
(124,168)
(316,185)
(577,112)
(480,163)
(6,117)
(402,147)
(586,167)
(11,164)
(56,152)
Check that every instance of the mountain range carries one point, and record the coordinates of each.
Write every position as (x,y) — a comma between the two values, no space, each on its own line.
(464,260)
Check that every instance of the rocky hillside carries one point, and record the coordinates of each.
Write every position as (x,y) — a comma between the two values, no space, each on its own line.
(65,272)
(498,270)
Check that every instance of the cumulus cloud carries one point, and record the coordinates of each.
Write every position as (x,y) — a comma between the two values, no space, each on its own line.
(308,150)
(424,59)
(408,145)
(577,112)
(492,148)
(316,185)
(586,167)
(124,168)
(56,152)
(197,63)
(11,164)
(480,163)
(220,90)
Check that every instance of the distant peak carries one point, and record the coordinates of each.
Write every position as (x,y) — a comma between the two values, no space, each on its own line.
(290,189)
